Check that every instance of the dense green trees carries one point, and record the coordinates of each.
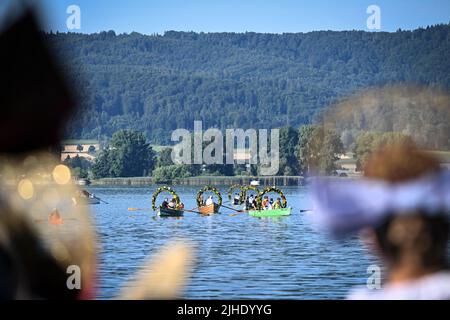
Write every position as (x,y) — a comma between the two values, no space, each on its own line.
(289,139)
(155,84)
(309,150)
(312,149)
(164,158)
(318,150)
(102,166)
(79,165)
(128,155)
(165,174)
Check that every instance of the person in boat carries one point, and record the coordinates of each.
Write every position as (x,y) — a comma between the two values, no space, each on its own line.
(172,204)
(251,200)
(247,203)
(236,199)
(55,218)
(407,227)
(202,200)
(277,204)
(254,204)
(270,204)
(180,206)
(84,193)
(265,202)
(210,201)
(165,203)
(81,196)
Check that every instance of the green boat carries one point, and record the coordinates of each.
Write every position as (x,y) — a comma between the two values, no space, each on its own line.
(271,213)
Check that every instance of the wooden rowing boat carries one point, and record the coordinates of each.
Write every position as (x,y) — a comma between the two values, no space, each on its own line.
(85,200)
(271,213)
(210,209)
(166,212)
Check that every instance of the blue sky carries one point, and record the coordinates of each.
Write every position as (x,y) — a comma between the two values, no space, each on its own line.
(274,16)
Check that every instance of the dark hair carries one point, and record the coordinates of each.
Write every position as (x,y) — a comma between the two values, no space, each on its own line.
(417,233)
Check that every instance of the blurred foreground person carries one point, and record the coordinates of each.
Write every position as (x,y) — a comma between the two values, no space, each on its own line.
(402,208)
(48,245)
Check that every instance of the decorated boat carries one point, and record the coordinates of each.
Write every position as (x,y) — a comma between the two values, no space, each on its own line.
(271,213)
(244,192)
(164,210)
(237,199)
(261,212)
(211,208)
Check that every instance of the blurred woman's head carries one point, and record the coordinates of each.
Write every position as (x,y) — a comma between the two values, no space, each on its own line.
(412,243)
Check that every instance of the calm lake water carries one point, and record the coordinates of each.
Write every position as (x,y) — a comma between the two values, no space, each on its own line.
(238,257)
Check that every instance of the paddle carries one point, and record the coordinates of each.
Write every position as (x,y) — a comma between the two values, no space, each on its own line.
(148,209)
(192,211)
(100,199)
(139,209)
(305,210)
(231,208)
(227,201)
(235,214)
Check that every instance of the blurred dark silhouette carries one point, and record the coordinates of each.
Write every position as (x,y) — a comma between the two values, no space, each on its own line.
(35,102)
(35,99)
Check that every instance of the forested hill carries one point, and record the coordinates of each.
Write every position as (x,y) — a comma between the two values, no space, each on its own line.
(161,82)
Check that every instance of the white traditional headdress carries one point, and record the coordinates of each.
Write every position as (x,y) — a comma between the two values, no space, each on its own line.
(343,206)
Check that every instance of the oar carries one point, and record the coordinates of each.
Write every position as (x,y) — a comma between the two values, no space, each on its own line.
(231,208)
(305,210)
(242,211)
(139,209)
(100,199)
(192,211)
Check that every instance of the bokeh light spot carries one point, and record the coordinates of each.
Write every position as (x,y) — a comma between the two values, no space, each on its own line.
(61,174)
(25,189)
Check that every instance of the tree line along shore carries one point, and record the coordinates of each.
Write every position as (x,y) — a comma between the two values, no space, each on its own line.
(306,151)
(194,181)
